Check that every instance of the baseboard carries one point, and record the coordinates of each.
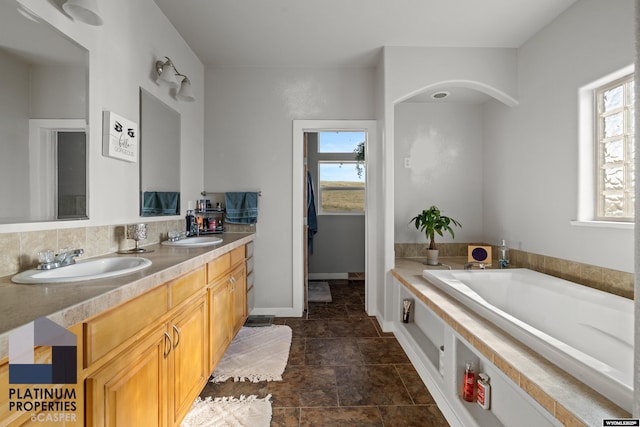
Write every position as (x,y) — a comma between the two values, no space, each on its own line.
(328,276)
(276,311)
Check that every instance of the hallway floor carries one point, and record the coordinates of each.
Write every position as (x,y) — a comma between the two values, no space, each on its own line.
(342,371)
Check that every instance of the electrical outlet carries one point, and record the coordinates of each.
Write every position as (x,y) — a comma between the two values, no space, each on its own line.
(407,162)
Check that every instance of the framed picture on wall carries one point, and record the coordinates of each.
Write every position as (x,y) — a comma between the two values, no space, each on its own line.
(119,137)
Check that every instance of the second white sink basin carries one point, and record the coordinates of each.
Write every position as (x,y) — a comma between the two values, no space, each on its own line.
(191,242)
(84,270)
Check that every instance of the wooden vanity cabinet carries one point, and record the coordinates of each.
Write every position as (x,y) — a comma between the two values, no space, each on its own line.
(188,364)
(227,281)
(133,388)
(144,362)
(155,380)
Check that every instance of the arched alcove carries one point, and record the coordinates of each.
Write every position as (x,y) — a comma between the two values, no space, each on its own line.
(469,91)
(438,156)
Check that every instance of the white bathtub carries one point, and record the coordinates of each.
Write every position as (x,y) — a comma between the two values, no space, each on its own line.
(586,332)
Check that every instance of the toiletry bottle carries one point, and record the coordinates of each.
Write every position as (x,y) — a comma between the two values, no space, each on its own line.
(503,255)
(190,219)
(469,382)
(483,391)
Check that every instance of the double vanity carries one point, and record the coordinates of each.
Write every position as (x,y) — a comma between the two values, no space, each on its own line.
(147,341)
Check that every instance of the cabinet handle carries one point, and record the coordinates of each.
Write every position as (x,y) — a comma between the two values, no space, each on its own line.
(175,328)
(167,337)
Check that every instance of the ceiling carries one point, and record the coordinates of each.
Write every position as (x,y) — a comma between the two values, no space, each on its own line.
(347,33)
(22,35)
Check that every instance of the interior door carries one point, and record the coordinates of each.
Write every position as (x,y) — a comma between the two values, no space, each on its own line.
(305,229)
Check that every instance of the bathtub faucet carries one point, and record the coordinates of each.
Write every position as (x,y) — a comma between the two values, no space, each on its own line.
(469,265)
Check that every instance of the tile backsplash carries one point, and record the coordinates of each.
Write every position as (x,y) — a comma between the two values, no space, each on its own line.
(608,280)
(20,249)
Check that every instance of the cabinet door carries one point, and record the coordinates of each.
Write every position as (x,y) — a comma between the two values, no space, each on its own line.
(189,364)
(239,295)
(219,319)
(132,389)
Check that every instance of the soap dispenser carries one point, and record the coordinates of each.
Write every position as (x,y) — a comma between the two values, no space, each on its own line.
(503,255)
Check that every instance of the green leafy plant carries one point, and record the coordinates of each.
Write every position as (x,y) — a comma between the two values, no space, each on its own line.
(359,152)
(431,221)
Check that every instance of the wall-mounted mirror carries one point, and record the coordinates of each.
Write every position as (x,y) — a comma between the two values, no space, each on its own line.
(43,117)
(159,157)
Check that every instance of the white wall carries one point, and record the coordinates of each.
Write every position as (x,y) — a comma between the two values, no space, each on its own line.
(443,142)
(58,92)
(122,56)
(249,114)
(14,121)
(531,156)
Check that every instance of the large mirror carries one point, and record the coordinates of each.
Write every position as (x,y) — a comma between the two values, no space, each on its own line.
(159,157)
(43,121)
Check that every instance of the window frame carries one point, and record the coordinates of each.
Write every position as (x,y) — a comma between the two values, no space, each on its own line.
(321,189)
(627,137)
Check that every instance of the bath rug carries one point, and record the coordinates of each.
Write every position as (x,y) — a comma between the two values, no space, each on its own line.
(319,292)
(259,320)
(229,411)
(255,354)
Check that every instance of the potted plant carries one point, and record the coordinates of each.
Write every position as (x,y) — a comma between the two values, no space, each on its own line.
(431,221)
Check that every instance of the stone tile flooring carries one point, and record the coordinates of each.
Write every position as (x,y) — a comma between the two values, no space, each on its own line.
(342,371)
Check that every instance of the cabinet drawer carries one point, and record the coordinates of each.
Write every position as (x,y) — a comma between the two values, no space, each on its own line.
(185,287)
(218,266)
(249,251)
(237,255)
(250,279)
(112,328)
(249,265)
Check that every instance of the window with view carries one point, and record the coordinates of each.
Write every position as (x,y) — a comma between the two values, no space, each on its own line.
(615,170)
(341,173)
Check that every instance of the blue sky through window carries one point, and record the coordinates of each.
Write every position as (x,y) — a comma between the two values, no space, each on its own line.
(339,142)
(339,172)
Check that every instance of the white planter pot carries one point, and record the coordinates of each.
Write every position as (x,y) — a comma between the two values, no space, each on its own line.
(432,256)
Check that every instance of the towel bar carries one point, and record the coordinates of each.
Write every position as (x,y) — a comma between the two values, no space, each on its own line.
(204,193)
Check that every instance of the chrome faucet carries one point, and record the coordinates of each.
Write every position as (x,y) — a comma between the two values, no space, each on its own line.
(174,236)
(469,265)
(65,257)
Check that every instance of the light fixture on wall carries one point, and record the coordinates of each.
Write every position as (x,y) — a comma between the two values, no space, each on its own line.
(85,11)
(169,75)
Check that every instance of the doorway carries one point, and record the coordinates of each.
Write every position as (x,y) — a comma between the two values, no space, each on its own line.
(300,243)
(336,184)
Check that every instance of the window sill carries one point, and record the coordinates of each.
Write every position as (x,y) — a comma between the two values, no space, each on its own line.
(340,213)
(604,224)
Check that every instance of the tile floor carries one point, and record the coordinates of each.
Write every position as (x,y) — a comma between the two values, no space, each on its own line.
(342,371)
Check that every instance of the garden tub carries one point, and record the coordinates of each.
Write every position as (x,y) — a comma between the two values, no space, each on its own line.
(584,331)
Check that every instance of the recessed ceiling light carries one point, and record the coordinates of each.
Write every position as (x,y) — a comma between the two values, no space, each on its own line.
(440,95)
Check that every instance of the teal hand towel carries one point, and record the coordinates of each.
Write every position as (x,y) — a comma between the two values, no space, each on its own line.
(241,207)
(158,203)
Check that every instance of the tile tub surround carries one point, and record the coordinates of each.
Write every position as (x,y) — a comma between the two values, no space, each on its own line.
(70,303)
(605,279)
(563,396)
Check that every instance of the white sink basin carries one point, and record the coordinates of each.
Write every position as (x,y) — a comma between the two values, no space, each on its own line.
(84,270)
(191,242)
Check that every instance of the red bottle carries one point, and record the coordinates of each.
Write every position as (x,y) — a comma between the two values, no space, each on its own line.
(469,384)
